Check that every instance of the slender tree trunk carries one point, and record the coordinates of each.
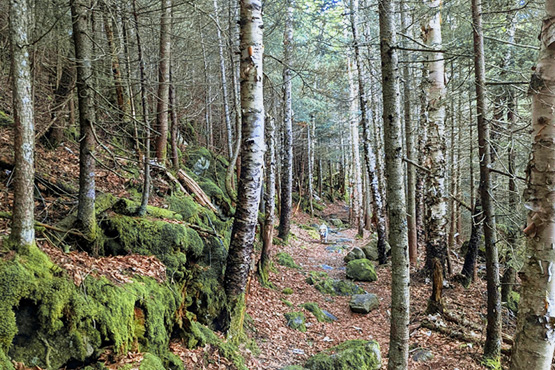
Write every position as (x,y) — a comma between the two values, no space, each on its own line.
(287,163)
(452,191)
(23,222)
(420,187)
(163,82)
(469,266)
(400,278)
(355,154)
(269,200)
(509,275)
(80,13)
(127,35)
(436,202)
(225,97)
(252,106)
(492,347)
(409,140)
(310,148)
(174,124)
(534,340)
(146,122)
(116,71)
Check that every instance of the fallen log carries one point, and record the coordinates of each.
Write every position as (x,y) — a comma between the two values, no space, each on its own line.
(200,195)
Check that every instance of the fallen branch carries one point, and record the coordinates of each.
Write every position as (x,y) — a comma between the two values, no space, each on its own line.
(8,215)
(193,187)
(456,319)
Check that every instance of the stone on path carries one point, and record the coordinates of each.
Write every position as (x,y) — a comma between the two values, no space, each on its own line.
(364,303)
(361,270)
(422,355)
(371,249)
(353,354)
(354,254)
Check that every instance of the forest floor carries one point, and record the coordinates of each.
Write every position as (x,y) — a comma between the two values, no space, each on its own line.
(280,345)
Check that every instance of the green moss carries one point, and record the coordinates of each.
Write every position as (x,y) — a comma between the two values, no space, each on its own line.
(286,302)
(353,354)
(151,362)
(316,311)
(104,201)
(325,285)
(5,363)
(5,120)
(314,234)
(43,312)
(292,367)
(287,291)
(361,270)
(286,260)
(184,205)
(512,301)
(201,335)
(296,320)
(128,207)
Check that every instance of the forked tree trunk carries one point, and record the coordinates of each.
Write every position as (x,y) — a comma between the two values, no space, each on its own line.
(80,14)
(287,163)
(393,143)
(534,340)
(252,160)
(436,203)
(492,347)
(23,221)
(163,82)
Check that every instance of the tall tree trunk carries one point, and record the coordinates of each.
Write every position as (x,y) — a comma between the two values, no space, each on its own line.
(509,275)
(420,187)
(436,202)
(252,160)
(174,131)
(492,347)
(393,140)
(80,14)
(116,71)
(369,154)
(409,140)
(163,82)
(269,200)
(225,95)
(355,154)
(310,148)
(146,122)
(23,222)
(534,340)
(287,163)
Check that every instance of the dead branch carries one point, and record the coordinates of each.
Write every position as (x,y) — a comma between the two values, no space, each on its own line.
(193,187)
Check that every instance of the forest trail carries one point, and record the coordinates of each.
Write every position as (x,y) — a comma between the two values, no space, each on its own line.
(281,345)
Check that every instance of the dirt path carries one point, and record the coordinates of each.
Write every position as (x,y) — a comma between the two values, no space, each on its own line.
(281,345)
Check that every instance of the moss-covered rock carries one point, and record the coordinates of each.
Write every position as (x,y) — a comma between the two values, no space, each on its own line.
(286,260)
(354,254)
(313,308)
(48,321)
(287,291)
(361,270)
(353,354)
(128,207)
(371,249)
(296,320)
(364,303)
(324,284)
(293,367)
(5,119)
(151,362)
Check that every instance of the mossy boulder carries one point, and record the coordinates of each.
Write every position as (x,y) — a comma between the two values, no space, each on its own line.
(353,354)
(364,303)
(286,260)
(287,291)
(371,249)
(128,207)
(336,222)
(296,320)
(512,301)
(361,270)
(326,285)
(313,308)
(151,362)
(354,254)
(48,321)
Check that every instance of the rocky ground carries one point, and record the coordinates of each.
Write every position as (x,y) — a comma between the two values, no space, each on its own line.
(281,345)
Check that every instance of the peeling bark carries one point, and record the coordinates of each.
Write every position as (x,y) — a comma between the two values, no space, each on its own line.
(535,334)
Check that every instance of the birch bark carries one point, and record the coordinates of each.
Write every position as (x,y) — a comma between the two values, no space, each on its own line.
(535,333)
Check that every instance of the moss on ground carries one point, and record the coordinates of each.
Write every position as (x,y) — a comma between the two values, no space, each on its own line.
(313,308)
(286,260)
(326,285)
(353,354)
(296,320)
